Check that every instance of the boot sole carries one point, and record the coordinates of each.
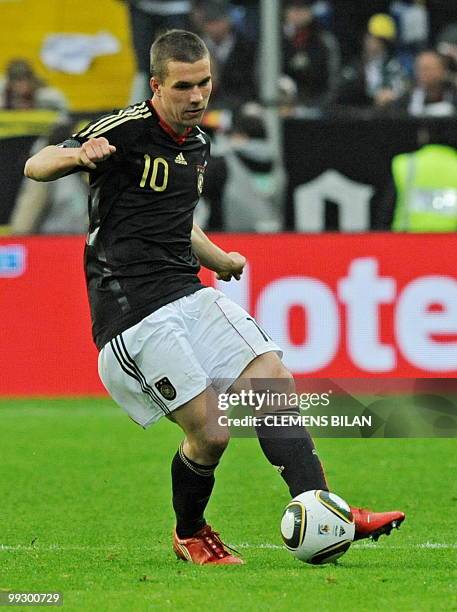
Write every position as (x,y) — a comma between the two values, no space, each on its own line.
(386,529)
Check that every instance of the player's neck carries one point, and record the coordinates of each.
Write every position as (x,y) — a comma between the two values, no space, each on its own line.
(179,130)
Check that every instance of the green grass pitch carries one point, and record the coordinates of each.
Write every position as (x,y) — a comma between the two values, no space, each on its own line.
(85,509)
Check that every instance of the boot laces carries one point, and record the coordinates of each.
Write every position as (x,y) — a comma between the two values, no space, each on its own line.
(214,542)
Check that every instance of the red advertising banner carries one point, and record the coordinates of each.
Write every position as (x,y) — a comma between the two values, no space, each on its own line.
(339,305)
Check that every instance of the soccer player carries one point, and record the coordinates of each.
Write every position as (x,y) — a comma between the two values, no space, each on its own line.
(168,344)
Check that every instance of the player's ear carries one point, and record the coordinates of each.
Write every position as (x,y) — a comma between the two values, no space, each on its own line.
(155,86)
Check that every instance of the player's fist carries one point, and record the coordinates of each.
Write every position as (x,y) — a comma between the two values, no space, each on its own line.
(94,151)
(233,268)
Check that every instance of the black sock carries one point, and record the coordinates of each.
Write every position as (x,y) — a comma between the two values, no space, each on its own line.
(291,449)
(192,485)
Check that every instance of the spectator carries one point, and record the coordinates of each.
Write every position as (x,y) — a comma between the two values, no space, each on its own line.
(288,101)
(55,207)
(350,18)
(22,89)
(147,19)
(248,17)
(433,94)
(413,30)
(311,55)
(323,13)
(446,45)
(441,13)
(377,78)
(244,184)
(422,194)
(233,57)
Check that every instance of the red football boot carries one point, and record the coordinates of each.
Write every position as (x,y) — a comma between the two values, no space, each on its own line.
(204,547)
(370,524)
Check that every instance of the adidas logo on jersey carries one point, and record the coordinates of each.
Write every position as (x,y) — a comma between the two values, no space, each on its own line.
(180,159)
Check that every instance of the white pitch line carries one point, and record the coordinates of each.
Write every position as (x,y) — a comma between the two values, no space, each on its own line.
(432,545)
(259,546)
(362,546)
(370,546)
(118,548)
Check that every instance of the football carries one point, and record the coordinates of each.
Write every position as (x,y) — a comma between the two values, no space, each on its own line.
(317,527)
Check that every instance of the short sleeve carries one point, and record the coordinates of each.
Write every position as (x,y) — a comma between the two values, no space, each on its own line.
(110,127)
(115,127)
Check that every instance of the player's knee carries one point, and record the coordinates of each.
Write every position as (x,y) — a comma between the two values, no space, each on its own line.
(280,372)
(283,372)
(215,443)
(271,366)
(281,381)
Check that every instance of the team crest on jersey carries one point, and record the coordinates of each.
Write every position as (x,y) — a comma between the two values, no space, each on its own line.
(200,177)
(165,388)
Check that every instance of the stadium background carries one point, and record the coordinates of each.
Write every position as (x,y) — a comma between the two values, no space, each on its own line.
(42,305)
(26,23)
(85,493)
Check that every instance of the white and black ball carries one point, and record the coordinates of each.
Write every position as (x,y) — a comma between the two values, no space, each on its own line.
(317,527)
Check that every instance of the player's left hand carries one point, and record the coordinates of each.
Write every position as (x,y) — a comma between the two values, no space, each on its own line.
(234,267)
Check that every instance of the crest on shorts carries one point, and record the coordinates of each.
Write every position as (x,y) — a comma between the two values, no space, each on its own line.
(165,388)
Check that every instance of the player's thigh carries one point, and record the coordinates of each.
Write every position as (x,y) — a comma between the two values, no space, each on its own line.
(150,370)
(267,376)
(267,366)
(226,338)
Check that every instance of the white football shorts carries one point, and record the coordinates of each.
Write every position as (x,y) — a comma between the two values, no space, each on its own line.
(176,352)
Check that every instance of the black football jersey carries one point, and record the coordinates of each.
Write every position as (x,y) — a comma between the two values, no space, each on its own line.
(138,254)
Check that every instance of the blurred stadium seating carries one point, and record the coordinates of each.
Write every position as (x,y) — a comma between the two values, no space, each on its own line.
(26,23)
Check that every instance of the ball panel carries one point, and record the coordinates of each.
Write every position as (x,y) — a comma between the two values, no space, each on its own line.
(336,505)
(331,553)
(293,525)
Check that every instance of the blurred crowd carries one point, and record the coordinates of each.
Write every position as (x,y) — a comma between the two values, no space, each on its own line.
(339,58)
(383,54)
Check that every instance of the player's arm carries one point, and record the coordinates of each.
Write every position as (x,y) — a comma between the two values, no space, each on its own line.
(226,265)
(53,162)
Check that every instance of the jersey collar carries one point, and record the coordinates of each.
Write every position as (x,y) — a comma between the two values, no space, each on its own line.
(178,138)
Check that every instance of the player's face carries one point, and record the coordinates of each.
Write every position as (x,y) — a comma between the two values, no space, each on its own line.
(182,97)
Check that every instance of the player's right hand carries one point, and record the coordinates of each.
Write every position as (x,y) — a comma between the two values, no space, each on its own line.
(94,151)
(233,267)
